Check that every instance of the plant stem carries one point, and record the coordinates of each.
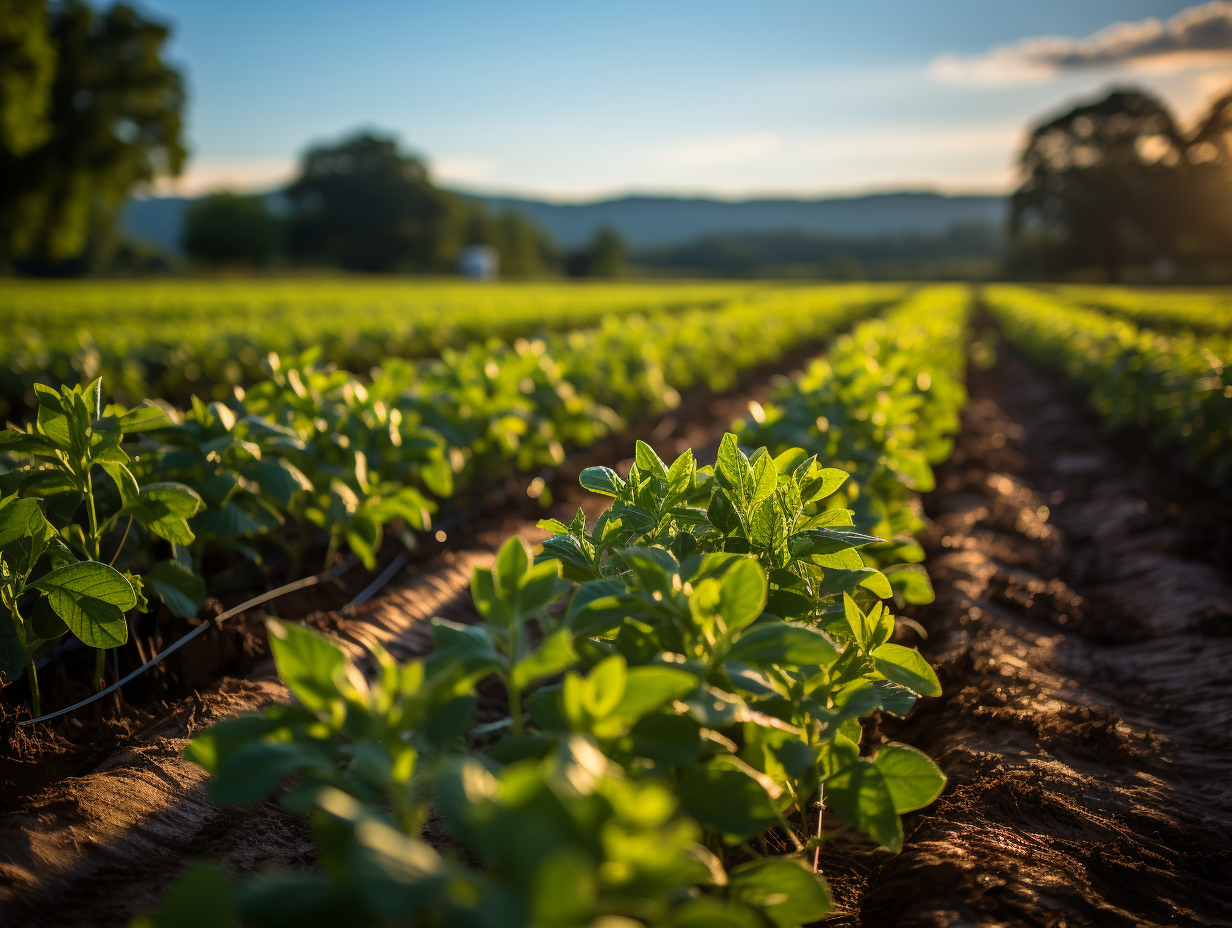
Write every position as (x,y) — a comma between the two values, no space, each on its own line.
(94,539)
(515,706)
(821,810)
(36,699)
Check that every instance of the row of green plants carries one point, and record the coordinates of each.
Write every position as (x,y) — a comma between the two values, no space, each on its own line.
(1178,386)
(671,725)
(168,500)
(1200,311)
(176,339)
(682,684)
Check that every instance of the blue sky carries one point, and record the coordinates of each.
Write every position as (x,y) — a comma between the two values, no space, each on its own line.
(584,99)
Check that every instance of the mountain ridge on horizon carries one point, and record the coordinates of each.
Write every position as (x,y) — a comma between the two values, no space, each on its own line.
(654,220)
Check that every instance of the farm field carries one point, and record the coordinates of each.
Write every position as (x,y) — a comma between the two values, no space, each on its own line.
(666,605)
(175,339)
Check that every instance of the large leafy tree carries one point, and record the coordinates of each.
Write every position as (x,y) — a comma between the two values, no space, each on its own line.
(365,206)
(112,119)
(1118,182)
(228,229)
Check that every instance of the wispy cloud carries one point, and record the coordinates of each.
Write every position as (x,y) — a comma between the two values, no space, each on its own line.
(740,149)
(1199,35)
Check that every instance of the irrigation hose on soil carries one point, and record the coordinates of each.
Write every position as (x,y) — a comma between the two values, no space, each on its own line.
(306,582)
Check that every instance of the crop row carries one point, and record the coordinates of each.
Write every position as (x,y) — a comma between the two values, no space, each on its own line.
(316,447)
(174,339)
(681,681)
(1177,385)
(1199,311)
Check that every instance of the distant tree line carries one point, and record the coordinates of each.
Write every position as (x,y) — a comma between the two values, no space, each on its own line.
(1117,186)
(363,205)
(964,251)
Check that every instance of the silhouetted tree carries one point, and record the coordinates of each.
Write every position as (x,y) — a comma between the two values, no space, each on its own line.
(73,145)
(1117,183)
(364,206)
(224,229)
(603,256)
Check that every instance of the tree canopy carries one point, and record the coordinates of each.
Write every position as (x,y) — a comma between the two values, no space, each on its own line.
(228,229)
(88,110)
(1118,182)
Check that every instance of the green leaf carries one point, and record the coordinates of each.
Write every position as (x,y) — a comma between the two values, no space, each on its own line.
(848,581)
(765,479)
(22,518)
(164,509)
(727,801)
(311,666)
(254,770)
(860,796)
(181,590)
(91,598)
(52,418)
(606,685)
(602,480)
(682,473)
(862,626)
(648,462)
(43,621)
(734,469)
(554,655)
(202,897)
(143,418)
(742,596)
(709,912)
(511,564)
(780,643)
(787,892)
(647,689)
(912,778)
(906,667)
(540,586)
(824,483)
(490,604)
(911,583)
(126,483)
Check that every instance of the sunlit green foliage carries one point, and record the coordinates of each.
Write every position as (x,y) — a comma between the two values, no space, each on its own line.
(176,339)
(1179,386)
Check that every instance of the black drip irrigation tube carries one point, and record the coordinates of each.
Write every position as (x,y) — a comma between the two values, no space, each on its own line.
(349,609)
(306,582)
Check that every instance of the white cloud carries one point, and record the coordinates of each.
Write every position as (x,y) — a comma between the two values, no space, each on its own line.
(1195,37)
(463,169)
(740,149)
(238,175)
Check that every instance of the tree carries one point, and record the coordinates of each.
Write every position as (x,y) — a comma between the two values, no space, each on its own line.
(1117,183)
(364,206)
(226,229)
(111,120)
(525,249)
(27,66)
(603,256)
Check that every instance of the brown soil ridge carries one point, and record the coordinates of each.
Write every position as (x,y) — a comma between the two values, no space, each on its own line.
(1083,636)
